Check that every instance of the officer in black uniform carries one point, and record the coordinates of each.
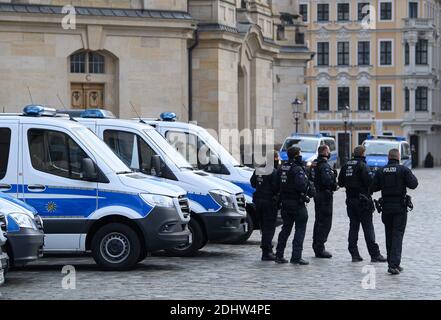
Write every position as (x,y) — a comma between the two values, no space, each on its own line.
(265,198)
(325,182)
(295,190)
(393,181)
(356,177)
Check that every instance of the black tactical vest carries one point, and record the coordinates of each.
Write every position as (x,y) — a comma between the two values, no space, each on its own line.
(392,184)
(287,185)
(352,179)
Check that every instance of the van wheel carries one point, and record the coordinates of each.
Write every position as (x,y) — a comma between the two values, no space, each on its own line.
(244,238)
(189,250)
(116,246)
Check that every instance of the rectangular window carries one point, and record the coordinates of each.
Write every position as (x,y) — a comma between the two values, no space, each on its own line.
(343,53)
(362,12)
(364,98)
(362,136)
(406,54)
(406,100)
(421,52)
(343,12)
(364,54)
(5,146)
(343,97)
(421,98)
(78,63)
(323,53)
(386,53)
(96,63)
(322,12)
(413,10)
(386,99)
(323,99)
(303,10)
(386,11)
(56,153)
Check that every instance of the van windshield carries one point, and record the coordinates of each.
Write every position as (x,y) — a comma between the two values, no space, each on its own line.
(306,145)
(100,149)
(379,148)
(218,149)
(168,151)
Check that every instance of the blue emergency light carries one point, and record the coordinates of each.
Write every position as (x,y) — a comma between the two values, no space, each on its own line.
(97,114)
(35,110)
(168,116)
(394,138)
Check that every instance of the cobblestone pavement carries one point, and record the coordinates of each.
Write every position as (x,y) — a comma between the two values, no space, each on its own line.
(235,271)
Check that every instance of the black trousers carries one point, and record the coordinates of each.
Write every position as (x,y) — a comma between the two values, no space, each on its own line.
(323,220)
(267,213)
(293,212)
(395,225)
(358,216)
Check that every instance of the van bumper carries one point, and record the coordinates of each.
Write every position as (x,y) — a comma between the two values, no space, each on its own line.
(163,229)
(26,246)
(224,225)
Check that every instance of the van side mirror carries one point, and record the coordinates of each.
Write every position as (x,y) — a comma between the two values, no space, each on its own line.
(88,170)
(157,165)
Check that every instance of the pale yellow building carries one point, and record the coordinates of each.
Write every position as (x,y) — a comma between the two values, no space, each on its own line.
(385,68)
(224,63)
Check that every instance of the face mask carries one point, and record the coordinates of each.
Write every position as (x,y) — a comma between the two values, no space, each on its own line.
(299,159)
(328,156)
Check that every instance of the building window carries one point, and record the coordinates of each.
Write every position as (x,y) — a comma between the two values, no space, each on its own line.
(364,99)
(361,6)
(322,12)
(343,11)
(386,53)
(323,99)
(421,98)
(364,53)
(343,98)
(87,62)
(386,11)
(385,98)
(406,100)
(323,53)
(303,10)
(413,10)
(343,53)
(362,136)
(421,52)
(407,54)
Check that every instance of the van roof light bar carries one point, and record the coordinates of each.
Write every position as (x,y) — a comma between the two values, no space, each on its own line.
(97,114)
(35,110)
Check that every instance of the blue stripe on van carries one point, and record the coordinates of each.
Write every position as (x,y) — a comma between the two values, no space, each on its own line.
(12,225)
(205,200)
(246,187)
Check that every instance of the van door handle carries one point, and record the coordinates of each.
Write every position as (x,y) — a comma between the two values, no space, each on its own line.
(36,188)
(5,187)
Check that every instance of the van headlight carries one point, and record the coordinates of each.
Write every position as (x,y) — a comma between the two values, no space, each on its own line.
(23,220)
(309,163)
(223,198)
(158,200)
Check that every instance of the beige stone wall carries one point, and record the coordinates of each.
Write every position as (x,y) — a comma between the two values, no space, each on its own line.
(262,93)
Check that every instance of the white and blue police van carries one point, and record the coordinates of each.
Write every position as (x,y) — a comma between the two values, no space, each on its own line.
(4,259)
(24,229)
(378,147)
(89,200)
(221,163)
(309,144)
(217,206)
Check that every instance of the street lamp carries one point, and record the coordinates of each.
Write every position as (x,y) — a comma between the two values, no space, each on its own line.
(345,116)
(296,111)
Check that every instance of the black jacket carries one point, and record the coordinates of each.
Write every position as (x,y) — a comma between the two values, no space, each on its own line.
(356,177)
(266,185)
(323,175)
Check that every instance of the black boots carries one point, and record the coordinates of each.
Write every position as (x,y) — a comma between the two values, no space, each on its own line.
(299,262)
(357,258)
(324,254)
(393,271)
(268,256)
(280,260)
(378,258)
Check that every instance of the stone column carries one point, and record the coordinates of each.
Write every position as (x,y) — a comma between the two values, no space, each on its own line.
(412,90)
(412,54)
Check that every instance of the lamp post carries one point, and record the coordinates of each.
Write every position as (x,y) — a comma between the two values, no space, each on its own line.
(296,111)
(345,117)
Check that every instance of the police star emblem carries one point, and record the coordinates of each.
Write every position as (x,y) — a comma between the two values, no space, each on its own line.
(51,207)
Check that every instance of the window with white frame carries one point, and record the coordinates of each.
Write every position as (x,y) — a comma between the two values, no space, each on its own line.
(323,99)
(323,53)
(343,12)
(303,11)
(361,12)
(386,53)
(322,12)
(413,9)
(386,11)
(343,53)
(421,98)
(364,98)
(364,53)
(343,98)
(386,98)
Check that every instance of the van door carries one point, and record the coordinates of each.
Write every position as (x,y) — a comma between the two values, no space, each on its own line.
(9,158)
(53,184)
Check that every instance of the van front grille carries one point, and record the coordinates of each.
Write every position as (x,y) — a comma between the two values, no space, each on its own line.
(185,206)
(241,202)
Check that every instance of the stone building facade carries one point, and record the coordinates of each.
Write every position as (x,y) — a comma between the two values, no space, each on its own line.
(223,63)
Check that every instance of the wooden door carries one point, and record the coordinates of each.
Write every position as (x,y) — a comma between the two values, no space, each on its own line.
(87,96)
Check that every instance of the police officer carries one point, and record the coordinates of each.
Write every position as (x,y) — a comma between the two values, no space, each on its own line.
(295,190)
(265,198)
(356,177)
(325,182)
(393,181)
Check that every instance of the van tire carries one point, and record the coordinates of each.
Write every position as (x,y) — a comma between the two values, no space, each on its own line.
(117,242)
(244,238)
(197,242)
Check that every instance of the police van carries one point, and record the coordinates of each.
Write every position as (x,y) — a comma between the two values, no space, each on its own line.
(87,197)
(24,227)
(378,147)
(4,259)
(217,206)
(221,163)
(309,144)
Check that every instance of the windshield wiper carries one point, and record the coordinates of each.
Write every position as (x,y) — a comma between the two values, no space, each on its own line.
(124,172)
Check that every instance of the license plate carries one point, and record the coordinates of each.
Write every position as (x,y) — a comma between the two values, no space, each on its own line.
(245,227)
(2,276)
(190,238)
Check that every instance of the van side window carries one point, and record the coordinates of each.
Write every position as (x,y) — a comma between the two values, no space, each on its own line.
(55,153)
(131,149)
(193,149)
(331,145)
(5,144)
